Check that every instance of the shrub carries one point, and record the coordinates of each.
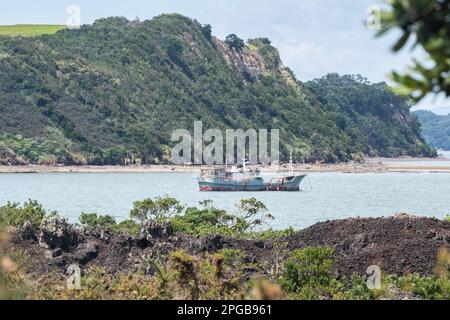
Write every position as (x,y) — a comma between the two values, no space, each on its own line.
(252,214)
(218,261)
(15,215)
(97,284)
(308,273)
(308,266)
(93,220)
(233,41)
(359,289)
(183,277)
(160,208)
(232,257)
(205,220)
(263,289)
(442,266)
(274,234)
(12,277)
(184,266)
(128,227)
(428,287)
(207,31)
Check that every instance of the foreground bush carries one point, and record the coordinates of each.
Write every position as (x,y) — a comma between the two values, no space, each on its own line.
(227,274)
(183,277)
(308,274)
(12,284)
(13,214)
(250,215)
(93,220)
(427,287)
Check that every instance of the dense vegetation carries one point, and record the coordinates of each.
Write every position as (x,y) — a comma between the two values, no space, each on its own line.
(219,276)
(377,121)
(435,129)
(113,92)
(249,219)
(299,274)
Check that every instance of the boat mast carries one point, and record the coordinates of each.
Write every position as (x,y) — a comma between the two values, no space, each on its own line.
(291,170)
(243,166)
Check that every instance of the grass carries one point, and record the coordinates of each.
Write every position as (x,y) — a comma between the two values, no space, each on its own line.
(29,30)
(252,47)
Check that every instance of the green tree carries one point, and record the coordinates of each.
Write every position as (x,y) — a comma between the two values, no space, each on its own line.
(427,24)
(157,209)
(94,220)
(129,226)
(266,41)
(173,46)
(12,214)
(252,214)
(207,31)
(234,41)
(308,269)
(204,220)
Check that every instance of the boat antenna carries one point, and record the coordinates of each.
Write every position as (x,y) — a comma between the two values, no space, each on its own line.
(291,170)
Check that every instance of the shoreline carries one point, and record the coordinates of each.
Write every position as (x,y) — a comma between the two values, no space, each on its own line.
(372,165)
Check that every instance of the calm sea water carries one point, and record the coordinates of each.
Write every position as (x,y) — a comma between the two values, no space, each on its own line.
(444,153)
(324,196)
(430,163)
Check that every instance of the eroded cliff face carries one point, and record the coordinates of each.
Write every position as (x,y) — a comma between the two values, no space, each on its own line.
(256,59)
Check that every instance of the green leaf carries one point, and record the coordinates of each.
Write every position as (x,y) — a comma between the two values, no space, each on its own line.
(401,42)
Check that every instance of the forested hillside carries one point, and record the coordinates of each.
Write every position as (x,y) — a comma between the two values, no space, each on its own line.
(113,92)
(378,122)
(435,128)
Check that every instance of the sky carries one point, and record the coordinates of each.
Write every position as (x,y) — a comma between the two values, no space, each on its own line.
(314,37)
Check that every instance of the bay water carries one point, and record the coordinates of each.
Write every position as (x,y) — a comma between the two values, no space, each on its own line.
(324,196)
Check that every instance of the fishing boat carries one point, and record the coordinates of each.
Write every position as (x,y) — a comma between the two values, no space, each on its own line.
(241,179)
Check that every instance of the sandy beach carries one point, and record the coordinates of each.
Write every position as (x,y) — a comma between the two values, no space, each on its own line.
(369,165)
